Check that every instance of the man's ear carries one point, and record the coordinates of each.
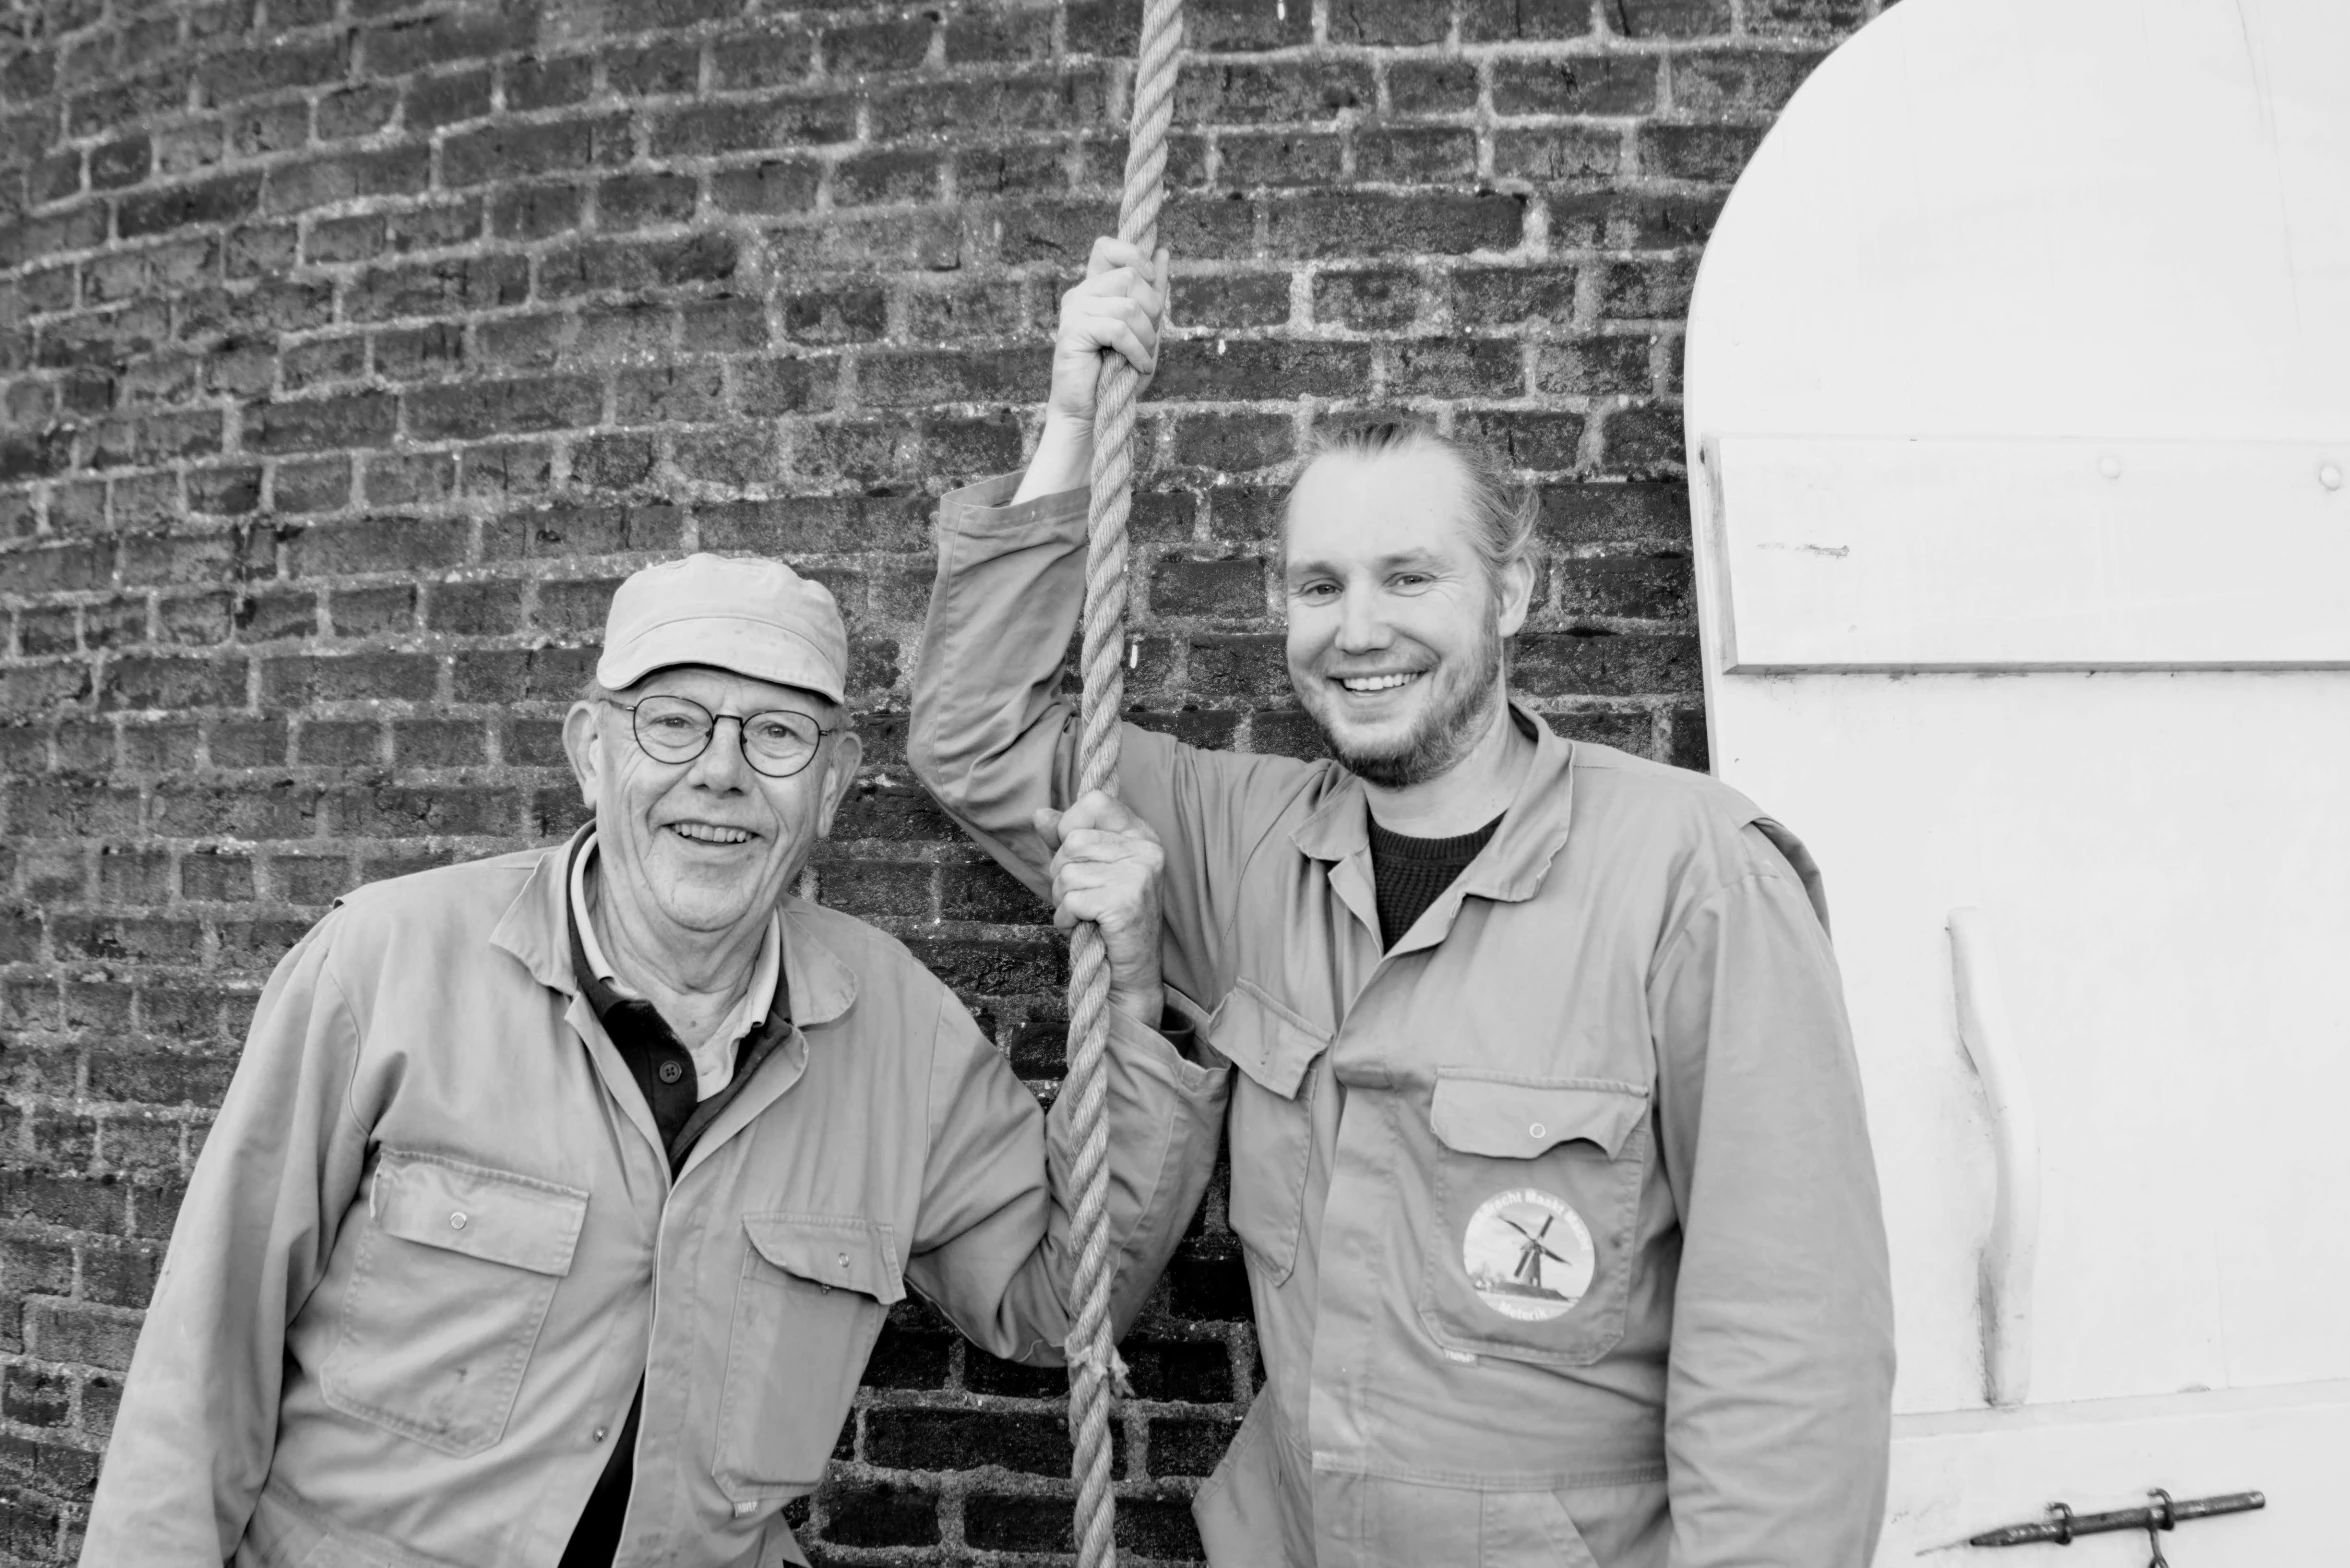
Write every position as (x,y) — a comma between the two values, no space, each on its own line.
(840,776)
(1517,594)
(583,745)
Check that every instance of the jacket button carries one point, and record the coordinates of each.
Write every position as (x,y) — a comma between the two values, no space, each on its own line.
(671,1072)
(1534,1131)
(457,1220)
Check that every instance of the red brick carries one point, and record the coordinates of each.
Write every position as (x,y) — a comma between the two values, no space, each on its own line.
(316,182)
(1667,18)
(1697,152)
(361,677)
(536,83)
(1246,161)
(754,126)
(761,59)
(204,202)
(533,212)
(592,267)
(163,682)
(1378,225)
(471,34)
(1593,366)
(1532,438)
(1234,92)
(1576,84)
(362,419)
(1006,105)
(1434,86)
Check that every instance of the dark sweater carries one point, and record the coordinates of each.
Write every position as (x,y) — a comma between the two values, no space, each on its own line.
(1409,873)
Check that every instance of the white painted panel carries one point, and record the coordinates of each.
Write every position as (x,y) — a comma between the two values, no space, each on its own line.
(1956,1476)
(2161,859)
(1986,239)
(1957,554)
(2149,237)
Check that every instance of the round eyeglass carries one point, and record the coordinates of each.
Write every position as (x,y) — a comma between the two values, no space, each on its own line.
(776,743)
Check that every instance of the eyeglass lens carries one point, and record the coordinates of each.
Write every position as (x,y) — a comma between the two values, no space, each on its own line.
(677,729)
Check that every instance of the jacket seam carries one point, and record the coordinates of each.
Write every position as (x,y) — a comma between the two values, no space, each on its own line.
(326,975)
(1167,1139)
(1227,976)
(1680,931)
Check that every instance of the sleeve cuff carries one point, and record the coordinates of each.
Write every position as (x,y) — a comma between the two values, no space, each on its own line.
(1166,1053)
(985,510)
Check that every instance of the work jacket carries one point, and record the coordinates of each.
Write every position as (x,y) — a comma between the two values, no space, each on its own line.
(1559,1215)
(433,1245)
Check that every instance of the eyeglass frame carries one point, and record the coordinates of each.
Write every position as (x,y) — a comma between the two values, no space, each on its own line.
(742,741)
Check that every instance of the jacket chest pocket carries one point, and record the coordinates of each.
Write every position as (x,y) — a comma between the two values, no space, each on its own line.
(808,1305)
(456,1267)
(1272,1121)
(1536,1195)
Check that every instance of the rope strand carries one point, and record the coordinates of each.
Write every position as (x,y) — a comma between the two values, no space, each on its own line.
(1092,1356)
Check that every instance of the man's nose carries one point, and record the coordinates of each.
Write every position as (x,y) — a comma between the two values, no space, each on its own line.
(722,764)
(1361,628)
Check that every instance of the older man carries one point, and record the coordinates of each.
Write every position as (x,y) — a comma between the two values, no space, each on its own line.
(559,1198)
(1548,1156)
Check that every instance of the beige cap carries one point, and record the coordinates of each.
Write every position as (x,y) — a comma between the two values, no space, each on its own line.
(741,613)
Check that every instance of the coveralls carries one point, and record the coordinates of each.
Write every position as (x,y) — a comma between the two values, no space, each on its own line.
(433,1245)
(1559,1216)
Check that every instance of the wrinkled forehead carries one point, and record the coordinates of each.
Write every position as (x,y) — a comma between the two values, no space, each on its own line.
(1349,508)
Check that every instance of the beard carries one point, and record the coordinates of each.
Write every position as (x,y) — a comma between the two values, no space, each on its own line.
(1448,729)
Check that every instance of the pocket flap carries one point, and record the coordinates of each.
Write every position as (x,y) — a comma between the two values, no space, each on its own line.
(841,1251)
(496,1216)
(1514,1118)
(1265,1040)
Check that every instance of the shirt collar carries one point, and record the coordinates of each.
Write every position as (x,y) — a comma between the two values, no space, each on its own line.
(1512,865)
(757,998)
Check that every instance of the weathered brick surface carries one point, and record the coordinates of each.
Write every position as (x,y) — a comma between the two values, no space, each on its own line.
(351,349)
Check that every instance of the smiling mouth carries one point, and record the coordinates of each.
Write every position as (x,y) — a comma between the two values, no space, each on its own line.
(1371,683)
(708,833)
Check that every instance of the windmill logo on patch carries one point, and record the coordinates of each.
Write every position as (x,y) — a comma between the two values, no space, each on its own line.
(1528,1255)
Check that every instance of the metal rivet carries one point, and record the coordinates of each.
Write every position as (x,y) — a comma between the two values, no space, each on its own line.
(457,1220)
(599,1434)
(1534,1131)
(2330,476)
(2110,466)
(844,1260)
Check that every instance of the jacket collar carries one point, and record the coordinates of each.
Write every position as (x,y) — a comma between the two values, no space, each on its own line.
(536,930)
(1512,865)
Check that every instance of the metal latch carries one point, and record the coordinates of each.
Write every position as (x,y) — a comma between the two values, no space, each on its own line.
(2062,1524)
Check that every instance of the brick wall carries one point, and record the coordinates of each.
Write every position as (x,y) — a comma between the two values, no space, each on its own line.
(352,349)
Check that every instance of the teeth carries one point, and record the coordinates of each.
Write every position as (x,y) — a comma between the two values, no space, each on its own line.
(703,833)
(1378,682)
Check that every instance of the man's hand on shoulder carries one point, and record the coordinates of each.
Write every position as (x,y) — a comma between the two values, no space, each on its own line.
(1121,306)
(1106,867)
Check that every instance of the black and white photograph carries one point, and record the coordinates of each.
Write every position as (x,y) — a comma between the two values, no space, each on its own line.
(1186,783)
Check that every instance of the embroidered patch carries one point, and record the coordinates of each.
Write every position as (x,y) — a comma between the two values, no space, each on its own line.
(1528,1255)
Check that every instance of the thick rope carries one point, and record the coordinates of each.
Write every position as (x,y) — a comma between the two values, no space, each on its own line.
(1093,1363)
